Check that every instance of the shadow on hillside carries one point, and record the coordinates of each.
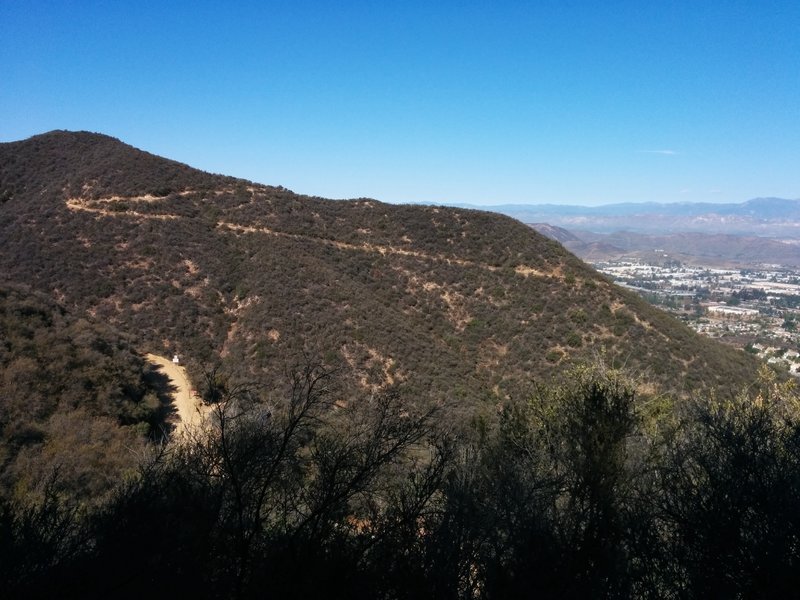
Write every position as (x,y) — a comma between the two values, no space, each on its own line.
(167,414)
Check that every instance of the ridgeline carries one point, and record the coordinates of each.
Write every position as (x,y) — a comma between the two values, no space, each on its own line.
(451,303)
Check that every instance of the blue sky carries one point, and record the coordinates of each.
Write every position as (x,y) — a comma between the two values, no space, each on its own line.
(476,102)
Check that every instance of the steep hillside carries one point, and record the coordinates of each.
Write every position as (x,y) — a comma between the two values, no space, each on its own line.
(559,234)
(452,303)
(77,400)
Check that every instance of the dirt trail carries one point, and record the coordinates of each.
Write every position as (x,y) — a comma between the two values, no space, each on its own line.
(522,270)
(77,204)
(190,410)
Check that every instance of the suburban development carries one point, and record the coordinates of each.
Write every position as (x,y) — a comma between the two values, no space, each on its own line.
(756,309)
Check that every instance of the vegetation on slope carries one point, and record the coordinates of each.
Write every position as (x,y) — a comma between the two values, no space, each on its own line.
(453,303)
(77,401)
(582,490)
(85,164)
(356,486)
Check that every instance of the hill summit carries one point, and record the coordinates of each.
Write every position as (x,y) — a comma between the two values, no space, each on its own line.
(449,303)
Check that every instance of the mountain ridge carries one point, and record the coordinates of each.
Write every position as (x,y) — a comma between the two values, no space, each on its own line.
(754,205)
(702,249)
(446,302)
(766,217)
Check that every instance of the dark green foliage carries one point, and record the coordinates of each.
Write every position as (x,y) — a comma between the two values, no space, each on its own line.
(75,400)
(731,492)
(357,491)
(288,497)
(585,490)
(36,540)
(554,491)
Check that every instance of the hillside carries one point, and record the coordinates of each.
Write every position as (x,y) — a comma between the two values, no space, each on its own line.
(78,401)
(455,472)
(451,303)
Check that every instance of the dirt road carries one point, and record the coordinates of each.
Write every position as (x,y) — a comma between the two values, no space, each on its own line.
(191,411)
(102,206)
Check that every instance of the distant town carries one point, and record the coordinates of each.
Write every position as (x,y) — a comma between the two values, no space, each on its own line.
(756,309)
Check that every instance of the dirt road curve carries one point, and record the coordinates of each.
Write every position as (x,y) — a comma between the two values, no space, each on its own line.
(190,411)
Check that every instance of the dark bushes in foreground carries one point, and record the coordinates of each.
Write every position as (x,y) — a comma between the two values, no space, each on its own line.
(585,490)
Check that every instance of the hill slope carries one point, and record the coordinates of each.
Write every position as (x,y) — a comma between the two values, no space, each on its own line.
(453,303)
(77,400)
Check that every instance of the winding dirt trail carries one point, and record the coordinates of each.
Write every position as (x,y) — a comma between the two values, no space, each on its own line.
(191,411)
(100,206)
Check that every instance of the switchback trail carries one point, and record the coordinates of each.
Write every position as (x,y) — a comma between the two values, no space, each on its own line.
(77,204)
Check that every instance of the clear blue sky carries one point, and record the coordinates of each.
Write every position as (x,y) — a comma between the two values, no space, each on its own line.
(478,102)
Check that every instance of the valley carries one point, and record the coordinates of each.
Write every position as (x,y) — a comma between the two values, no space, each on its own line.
(752,309)
(740,289)
(764,218)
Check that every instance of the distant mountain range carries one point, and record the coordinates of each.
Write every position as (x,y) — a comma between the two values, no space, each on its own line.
(767,217)
(706,249)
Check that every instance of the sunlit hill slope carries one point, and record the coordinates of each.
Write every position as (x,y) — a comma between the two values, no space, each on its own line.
(446,303)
